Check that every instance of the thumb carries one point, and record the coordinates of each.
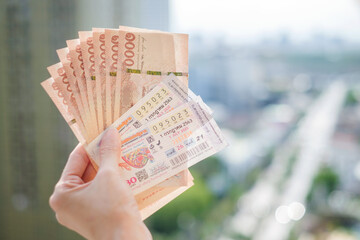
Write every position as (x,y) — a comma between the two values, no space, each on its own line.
(110,149)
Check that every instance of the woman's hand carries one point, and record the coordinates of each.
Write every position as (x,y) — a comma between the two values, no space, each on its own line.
(97,206)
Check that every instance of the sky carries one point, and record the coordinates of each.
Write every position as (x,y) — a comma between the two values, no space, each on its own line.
(249,20)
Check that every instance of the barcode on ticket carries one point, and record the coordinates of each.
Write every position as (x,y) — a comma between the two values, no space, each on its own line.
(189,153)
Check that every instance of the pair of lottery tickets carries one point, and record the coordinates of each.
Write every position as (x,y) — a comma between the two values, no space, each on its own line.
(135,80)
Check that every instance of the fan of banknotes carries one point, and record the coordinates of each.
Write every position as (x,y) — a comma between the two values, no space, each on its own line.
(136,81)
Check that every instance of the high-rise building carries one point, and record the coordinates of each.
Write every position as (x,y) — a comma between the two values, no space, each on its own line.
(34,139)
(112,13)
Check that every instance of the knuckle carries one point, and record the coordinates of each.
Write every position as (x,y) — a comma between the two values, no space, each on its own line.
(54,202)
(106,148)
(57,198)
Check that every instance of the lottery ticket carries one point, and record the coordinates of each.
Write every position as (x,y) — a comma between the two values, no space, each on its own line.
(166,146)
(165,97)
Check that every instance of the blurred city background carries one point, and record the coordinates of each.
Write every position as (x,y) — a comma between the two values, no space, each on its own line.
(282,77)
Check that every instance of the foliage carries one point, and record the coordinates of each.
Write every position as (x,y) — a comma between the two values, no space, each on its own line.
(351,98)
(208,167)
(326,179)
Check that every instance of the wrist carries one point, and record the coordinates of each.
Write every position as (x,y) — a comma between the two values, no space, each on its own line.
(124,229)
(108,234)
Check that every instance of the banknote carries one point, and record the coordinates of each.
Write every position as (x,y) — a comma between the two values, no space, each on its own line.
(78,66)
(57,72)
(154,198)
(166,146)
(100,78)
(56,96)
(65,59)
(143,58)
(87,53)
(111,56)
(126,77)
(181,50)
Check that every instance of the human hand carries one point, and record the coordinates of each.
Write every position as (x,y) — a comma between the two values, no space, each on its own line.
(97,206)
